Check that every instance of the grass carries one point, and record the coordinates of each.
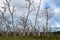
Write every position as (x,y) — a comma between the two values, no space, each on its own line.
(51,37)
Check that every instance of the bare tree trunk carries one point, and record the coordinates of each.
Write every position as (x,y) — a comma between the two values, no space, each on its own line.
(6,33)
(12,20)
(46,21)
(24,32)
(38,31)
(28,31)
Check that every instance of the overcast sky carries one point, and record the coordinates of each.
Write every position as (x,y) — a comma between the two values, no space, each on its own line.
(53,4)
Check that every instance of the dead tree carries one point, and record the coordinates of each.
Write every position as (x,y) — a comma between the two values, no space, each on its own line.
(37,16)
(29,11)
(48,15)
(11,10)
(46,21)
(3,17)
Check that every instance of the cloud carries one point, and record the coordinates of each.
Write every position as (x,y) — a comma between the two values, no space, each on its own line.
(1,2)
(53,4)
(57,10)
(57,2)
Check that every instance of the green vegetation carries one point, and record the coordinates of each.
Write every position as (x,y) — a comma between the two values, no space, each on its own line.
(50,37)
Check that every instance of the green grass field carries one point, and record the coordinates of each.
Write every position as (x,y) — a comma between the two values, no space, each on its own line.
(51,37)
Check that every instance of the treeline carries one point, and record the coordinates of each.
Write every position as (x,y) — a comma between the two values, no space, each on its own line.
(24,25)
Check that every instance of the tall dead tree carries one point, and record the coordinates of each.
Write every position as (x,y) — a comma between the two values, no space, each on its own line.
(37,16)
(46,21)
(11,10)
(29,11)
(3,17)
(49,15)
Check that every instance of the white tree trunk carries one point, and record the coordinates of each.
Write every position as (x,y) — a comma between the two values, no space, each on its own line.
(38,33)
